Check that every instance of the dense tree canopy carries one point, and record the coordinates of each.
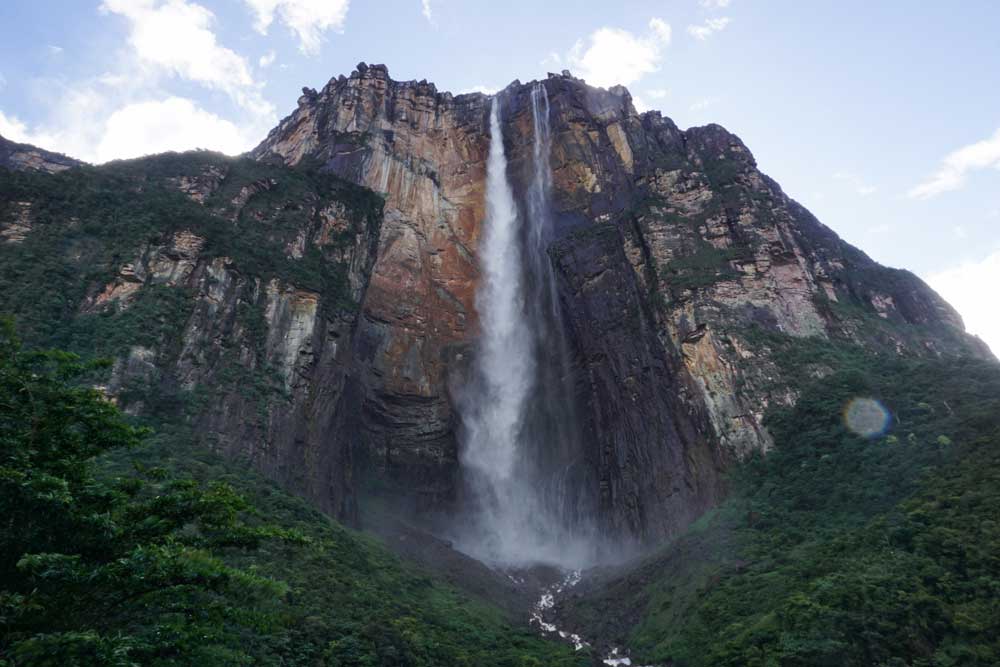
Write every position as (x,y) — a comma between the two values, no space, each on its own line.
(121,547)
(837,548)
(116,571)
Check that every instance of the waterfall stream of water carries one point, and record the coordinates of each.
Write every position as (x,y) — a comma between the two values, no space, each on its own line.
(520,433)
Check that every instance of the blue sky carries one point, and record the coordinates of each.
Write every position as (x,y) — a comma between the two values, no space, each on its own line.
(882,118)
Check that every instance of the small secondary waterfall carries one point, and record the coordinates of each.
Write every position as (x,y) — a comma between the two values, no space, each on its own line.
(520,431)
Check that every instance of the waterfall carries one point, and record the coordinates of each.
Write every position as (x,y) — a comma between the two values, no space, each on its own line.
(504,362)
(494,407)
(519,434)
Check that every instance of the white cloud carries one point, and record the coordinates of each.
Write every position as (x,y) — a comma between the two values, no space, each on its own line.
(101,119)
(661,29)
(658,93)
(176,36)
(708,28)
(54,50)
(11,128)
(485,90)
(553,60)
(132,130)
(856,182)
(17,131)
(956,166)
(714,4)
(113,79)
(612,56)
(267,59)
(972,289)
(308,19)
(131,109)
(640,104)
(172,124)
(425,9)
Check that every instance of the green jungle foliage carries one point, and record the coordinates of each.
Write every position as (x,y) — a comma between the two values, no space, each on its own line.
(121,547)
(836,549)
(86,223)
(702,268)
(118,571)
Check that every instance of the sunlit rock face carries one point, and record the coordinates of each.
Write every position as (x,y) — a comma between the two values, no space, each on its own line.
(24,157)
(425,151)
(670,245)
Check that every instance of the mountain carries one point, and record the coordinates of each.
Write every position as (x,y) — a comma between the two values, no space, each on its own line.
(322,291)
(672,245)
(838,547)
(315,309)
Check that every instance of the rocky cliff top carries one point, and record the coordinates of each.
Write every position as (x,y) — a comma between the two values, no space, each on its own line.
(25,157)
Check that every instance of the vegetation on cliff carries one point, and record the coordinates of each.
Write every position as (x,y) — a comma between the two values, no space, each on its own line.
(225,291)
(123,547)
(86,223)
(837,549)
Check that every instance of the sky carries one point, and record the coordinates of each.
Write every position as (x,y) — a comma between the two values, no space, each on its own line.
(882,118)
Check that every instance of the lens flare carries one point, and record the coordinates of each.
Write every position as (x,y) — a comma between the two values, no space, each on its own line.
(866,417)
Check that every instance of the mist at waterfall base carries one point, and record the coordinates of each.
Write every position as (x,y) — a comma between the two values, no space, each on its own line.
(531,494)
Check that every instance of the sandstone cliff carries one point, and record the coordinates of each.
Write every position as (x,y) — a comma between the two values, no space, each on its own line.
(673,245)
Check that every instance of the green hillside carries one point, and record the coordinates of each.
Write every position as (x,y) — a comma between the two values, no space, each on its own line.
(836,549)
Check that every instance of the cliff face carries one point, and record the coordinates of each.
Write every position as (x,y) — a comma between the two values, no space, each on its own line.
(225,291)
(426,154)
(323,331)
(672,246)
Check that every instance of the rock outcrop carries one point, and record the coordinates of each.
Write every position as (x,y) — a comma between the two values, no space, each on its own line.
(226,291)
(425,152)
(25,157)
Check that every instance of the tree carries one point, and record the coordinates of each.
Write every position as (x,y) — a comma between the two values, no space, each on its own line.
(110,571)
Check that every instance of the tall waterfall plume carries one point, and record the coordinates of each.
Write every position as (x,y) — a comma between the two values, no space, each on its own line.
(504,365)
(520,436)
